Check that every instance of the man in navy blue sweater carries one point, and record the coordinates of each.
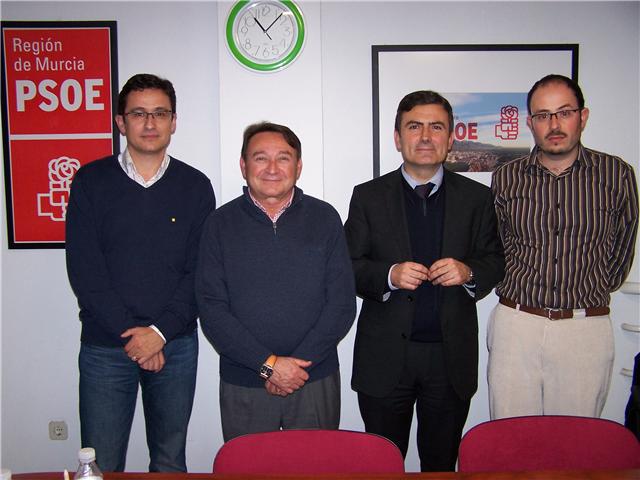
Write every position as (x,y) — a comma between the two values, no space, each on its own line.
(133,228)
(276,294)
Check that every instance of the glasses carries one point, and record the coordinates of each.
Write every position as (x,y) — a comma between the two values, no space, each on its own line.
(142,116)
(560,115)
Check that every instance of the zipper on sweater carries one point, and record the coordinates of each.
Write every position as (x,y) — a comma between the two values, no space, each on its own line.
(275,228)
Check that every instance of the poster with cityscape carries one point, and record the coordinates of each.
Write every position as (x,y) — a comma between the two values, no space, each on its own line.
(487,87)
(490,129)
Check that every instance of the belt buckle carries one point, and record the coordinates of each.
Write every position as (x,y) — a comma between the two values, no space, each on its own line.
(550,313)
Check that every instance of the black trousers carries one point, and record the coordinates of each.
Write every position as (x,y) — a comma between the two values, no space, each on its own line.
(441,413)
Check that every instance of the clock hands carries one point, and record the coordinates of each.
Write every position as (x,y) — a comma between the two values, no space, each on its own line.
(277,18)
(265,31)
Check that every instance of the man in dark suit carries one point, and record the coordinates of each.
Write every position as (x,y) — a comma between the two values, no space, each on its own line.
(425,248)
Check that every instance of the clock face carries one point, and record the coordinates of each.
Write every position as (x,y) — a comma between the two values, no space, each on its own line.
(265,35)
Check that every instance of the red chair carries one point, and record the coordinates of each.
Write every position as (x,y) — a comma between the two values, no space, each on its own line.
(550,442)
(308,452)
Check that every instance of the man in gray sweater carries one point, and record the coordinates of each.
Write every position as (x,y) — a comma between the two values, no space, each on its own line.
(276,294)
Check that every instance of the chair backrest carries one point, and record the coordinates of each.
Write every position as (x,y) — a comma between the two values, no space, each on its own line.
(308,452)
(549,442)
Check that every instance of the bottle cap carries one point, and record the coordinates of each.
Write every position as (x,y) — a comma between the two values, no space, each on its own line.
(87,454)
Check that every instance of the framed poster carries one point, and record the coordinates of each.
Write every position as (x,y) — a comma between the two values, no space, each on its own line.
(59,85)
(487,87)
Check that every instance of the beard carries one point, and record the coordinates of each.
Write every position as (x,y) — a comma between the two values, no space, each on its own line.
(560,145)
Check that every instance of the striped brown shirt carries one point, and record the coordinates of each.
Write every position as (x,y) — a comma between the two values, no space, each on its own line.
(568,239)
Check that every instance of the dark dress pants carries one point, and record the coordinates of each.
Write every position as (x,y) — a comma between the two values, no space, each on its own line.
(441,413)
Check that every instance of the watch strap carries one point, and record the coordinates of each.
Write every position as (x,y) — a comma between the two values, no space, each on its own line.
(266,370)
(271,361)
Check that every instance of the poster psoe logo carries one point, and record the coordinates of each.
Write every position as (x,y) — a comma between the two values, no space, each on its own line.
(507,129)
(53,204)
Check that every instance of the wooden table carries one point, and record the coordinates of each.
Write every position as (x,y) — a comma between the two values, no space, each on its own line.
(548,475)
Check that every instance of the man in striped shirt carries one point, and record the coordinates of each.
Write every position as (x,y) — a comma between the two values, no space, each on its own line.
(568,218)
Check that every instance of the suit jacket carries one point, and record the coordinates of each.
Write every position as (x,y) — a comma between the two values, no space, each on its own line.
(378,237)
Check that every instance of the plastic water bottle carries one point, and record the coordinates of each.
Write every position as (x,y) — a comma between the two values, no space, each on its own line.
(87,469)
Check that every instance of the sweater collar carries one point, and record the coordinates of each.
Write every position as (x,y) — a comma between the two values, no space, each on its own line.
(295,199)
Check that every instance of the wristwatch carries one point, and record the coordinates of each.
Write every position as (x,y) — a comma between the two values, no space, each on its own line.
(266,370)
(471,283)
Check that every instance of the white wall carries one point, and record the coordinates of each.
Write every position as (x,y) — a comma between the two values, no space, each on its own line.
(325,97)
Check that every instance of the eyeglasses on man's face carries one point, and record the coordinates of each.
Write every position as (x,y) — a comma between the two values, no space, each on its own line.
(142,116)
(565,114)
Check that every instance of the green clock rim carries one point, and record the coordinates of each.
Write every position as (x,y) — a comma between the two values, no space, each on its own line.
(265,67)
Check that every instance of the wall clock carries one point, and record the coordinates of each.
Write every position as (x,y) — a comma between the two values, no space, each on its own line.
(265,35)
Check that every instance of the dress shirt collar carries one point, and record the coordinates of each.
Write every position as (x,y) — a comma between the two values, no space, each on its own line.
(279,213)
(436,179)
(582,160)
(130,169)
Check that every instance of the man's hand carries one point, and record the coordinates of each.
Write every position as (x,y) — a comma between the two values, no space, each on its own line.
(155,363)
(409,275)
(273,390)
(449,272)
(289,374)
(143,344)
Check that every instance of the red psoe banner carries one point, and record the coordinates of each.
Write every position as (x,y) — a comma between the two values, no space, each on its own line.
(59,80)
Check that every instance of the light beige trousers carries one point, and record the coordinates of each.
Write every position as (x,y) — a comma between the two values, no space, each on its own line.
(539,366)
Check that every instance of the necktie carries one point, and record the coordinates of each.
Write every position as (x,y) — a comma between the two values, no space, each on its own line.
(423,191)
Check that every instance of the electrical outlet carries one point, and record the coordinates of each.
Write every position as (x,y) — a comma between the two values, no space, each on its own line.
(58,430)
